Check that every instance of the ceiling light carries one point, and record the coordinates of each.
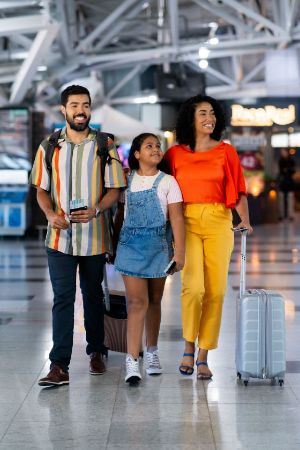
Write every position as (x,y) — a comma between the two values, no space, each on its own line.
(42,68)
(214,41)
(147,99)
(203,52)
(203,63)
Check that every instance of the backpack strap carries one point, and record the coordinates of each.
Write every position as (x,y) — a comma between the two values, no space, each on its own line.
(102,150)
(50,145)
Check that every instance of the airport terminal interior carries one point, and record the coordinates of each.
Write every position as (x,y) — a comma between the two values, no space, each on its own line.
(140,61)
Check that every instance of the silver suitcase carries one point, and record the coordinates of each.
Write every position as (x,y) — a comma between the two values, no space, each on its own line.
(260,333)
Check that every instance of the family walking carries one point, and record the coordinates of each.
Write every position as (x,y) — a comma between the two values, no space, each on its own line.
(177,207)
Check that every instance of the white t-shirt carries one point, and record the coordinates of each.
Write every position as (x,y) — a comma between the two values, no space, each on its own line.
(168,190)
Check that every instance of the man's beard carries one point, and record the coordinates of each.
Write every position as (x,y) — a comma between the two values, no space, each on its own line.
(78,126)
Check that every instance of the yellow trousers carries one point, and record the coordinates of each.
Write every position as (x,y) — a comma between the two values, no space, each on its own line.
(209,243)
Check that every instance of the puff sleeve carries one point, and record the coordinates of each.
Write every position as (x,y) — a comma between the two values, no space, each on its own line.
(169,157)
(234,178)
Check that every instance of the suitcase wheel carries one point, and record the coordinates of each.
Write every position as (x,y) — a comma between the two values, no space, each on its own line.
(246,382)
(239,375)
(281,382)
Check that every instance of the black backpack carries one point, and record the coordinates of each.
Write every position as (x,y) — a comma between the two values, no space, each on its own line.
(102,151)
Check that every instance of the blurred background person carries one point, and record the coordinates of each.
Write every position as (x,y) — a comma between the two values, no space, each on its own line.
(287,169)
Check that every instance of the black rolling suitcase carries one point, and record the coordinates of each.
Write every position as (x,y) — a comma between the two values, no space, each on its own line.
(115,319)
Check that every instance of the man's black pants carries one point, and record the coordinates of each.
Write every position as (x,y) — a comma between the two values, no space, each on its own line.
(63,270)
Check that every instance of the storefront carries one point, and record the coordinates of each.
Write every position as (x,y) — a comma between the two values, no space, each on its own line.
(257,131)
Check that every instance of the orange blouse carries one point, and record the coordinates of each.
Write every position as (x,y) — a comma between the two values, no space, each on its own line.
(212,176)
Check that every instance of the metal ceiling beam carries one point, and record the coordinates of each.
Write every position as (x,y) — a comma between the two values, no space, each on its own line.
(173,15)
(10,68)
(137,55)
(237,68)
(234,43)
(23,24)
(71,23)
(294,7)
(224,14)
(276,13)
(38,51)
(13,55)
(121,59)
(220,76)
(17,4)
(21,40)
(131,74)
(254,72)
(7,79)
(64,39)
(251,90)
(109,21)
(215,73)
(253,15)
(118,27)
(284,6)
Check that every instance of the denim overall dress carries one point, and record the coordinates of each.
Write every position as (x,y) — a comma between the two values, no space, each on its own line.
(145,244)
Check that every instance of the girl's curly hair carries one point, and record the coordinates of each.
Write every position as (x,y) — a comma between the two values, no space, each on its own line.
(136,147)
(185,124)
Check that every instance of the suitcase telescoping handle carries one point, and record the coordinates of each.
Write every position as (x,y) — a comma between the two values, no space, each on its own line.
(105,289)
(243,232)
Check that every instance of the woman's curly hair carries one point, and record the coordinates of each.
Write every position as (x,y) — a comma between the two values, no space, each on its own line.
(185,124)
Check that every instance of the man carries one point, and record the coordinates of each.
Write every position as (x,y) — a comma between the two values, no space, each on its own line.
(79,238)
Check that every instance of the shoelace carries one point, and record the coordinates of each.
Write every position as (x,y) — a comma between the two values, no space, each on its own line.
(155,360)
(132,365)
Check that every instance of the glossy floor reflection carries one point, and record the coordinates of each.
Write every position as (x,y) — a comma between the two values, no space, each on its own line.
(166,412)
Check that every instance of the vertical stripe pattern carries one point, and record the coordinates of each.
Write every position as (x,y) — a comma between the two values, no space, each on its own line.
(76,175)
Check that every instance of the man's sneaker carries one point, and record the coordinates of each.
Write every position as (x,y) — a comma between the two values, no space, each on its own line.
(97,366)
(152,363)
(133,374)
(56,377)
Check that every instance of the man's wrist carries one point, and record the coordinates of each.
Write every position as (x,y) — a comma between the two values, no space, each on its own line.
(97,211)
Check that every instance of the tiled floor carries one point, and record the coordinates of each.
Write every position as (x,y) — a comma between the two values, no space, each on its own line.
(166,412)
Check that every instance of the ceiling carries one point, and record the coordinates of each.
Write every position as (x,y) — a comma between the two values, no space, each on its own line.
(48,43)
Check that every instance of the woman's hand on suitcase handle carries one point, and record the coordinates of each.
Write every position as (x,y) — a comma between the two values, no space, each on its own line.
(244,224)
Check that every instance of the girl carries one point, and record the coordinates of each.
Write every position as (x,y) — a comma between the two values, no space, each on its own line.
(145,248)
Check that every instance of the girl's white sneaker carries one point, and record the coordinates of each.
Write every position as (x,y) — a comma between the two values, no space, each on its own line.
(133,374)
(152,363)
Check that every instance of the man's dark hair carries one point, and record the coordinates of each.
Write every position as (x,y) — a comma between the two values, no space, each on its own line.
(185,125)
(75,89)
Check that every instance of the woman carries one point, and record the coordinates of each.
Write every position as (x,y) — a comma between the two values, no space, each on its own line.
(145,248)
(209,174)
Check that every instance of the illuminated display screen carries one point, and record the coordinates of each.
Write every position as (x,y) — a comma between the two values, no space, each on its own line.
(14,131)
(123,150)
(14,138)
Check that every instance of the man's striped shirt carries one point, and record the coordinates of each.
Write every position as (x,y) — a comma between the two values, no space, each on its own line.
(76,174)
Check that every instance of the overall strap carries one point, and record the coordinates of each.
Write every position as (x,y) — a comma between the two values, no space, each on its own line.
(129,180)
(158,180)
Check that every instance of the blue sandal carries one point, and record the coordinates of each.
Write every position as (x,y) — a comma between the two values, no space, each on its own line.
(203,377)
(189,369)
